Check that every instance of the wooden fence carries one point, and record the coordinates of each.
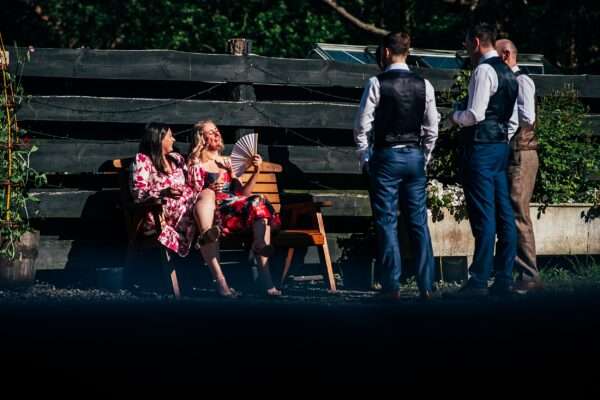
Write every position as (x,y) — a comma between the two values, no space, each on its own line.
(86,107)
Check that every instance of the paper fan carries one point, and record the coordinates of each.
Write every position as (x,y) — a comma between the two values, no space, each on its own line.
(243,151)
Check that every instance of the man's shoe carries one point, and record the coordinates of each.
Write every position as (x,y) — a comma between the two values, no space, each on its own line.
(468,292)
(527,286)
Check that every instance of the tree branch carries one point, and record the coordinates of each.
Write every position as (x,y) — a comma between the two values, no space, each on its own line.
(355,21)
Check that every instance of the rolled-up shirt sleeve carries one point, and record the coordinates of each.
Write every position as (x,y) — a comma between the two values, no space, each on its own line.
(431,119)
(363,125)
(526,101)
(483,84)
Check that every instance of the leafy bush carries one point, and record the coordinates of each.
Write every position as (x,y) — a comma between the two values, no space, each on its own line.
(16,174)
(568,152)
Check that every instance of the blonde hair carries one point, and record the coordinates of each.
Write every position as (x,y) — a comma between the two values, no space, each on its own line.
(198,142)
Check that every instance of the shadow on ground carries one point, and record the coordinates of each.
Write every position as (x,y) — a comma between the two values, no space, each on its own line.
(308,335)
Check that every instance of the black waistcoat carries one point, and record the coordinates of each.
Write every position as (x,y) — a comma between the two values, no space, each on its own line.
(494,128)
(399,114)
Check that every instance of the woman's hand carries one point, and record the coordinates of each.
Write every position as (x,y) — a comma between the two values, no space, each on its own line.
(216,186)
(171,192)
(257,162)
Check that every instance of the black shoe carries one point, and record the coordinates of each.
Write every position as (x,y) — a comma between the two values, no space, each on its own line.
(209,236)
(468,292)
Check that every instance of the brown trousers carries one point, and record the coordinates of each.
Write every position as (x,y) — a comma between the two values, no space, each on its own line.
(522,172)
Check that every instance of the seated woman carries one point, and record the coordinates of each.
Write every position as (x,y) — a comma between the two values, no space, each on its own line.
(237,209)
(160,173)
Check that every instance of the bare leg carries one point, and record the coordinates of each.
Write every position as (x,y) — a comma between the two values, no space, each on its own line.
(209,253)
(204,210)
(262,238)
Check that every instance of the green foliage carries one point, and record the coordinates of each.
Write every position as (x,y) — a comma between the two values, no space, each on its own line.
(572,274)
(278,28)
(444,192)
(444,164)
(14,216)
(568,153)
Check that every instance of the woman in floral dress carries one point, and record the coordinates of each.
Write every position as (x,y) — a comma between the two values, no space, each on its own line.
(237,209)
(160,173)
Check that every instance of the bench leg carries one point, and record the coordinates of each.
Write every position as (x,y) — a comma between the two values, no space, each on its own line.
(170,273)
(288,263)
(324,253)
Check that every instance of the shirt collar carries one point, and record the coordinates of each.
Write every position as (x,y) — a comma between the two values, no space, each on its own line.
(489,54)
(397,66)
(515,68)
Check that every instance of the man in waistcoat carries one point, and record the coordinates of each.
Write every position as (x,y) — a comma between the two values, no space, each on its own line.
(491,105)
(395,132)
(522,171)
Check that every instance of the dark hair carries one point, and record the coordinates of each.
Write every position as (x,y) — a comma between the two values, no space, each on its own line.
(151,143)
(397,42)
(485,32)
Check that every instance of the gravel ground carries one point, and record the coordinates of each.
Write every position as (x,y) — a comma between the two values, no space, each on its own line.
(146,338)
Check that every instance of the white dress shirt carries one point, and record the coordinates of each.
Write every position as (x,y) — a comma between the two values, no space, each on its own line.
(482,86)
(363,125)
(525,100)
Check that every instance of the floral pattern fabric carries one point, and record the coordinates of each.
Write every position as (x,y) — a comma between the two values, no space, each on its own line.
(234,212)
(177,224)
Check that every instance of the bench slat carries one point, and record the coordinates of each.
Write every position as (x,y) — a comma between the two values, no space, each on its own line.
(262,178)
(265,188)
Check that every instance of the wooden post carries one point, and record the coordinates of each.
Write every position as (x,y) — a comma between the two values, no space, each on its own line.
(4,59)
(241,92)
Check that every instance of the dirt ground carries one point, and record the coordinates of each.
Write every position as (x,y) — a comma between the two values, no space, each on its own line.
(307,335)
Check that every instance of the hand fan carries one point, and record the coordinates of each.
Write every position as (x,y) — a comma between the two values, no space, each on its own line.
(243,151)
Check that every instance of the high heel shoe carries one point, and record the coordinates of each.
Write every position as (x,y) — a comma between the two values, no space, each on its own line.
(232,294)
(211,235)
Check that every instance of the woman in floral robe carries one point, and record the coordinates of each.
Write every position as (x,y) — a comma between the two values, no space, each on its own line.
(160,173)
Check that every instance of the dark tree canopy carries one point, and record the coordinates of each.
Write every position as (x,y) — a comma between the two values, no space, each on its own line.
(566,32)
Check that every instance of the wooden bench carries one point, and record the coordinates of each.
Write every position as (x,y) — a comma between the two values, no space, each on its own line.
(302,224)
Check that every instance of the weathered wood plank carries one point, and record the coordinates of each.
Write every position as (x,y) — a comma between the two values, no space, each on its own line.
(181,66)
(74,203)
(322,115)
(87,156)
(225,113)
(560,231)
(585,85)
(198,67)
